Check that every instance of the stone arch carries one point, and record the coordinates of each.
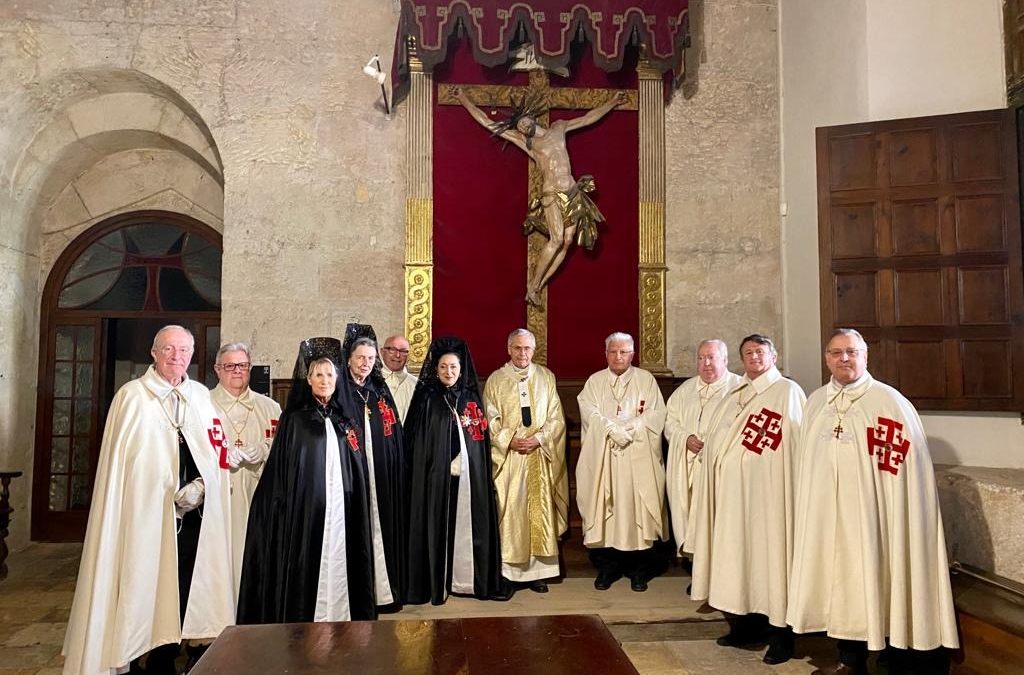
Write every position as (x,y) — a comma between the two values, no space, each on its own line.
(74,150)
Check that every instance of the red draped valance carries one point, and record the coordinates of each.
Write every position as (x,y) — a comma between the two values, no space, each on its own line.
(492,26)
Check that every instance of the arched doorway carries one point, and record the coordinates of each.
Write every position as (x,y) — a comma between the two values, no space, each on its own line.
(107,295)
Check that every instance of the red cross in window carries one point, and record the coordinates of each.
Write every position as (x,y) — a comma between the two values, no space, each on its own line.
(387,416)
(763,431)
(474,420)
(887,444)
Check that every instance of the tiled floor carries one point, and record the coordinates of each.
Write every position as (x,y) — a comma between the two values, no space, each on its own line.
(662,631)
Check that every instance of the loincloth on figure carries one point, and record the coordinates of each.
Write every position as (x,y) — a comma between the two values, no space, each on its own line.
(578,211)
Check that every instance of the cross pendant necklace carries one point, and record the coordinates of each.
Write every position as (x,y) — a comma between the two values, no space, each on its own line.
(366,403)
(838,428)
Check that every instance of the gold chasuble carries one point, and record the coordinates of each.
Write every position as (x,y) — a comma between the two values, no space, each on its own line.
(249,422)
(532,490)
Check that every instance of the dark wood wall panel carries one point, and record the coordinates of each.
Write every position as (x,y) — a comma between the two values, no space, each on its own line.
(915,227)
(920,250)
(856,169)
(920,298)
(853,231)
(990,367)
(980,223)
(914,158)
(921,368)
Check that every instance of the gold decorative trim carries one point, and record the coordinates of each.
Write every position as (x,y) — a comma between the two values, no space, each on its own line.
(652,320)
(419,284)
(419,209)
(652,220)
(419,231)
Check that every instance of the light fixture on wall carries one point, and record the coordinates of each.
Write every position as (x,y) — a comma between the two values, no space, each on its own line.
(373,71)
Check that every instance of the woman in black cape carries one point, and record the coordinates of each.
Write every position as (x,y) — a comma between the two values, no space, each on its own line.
(367,401)
(282,564)
(453,523)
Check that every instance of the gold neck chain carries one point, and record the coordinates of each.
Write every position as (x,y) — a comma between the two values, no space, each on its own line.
(840,414)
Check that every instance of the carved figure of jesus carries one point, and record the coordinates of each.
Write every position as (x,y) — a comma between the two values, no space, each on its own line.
(565,212)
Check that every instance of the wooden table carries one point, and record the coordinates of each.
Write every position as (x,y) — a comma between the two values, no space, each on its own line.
(541,645)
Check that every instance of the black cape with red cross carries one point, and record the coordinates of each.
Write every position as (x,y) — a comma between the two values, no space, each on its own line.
(431,443)
(388,458)
(284,538)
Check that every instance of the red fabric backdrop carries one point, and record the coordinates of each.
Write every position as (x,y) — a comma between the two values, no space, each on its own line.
(480,199)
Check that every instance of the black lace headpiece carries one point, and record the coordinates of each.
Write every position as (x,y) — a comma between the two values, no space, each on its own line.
(450,345)
(310,350)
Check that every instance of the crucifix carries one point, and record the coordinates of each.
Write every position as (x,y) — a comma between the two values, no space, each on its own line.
(838,430)
(544,254)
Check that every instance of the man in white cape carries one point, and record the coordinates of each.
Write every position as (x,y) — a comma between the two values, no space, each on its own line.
(620,476)
(741,521)
(249,421)
(691,409)
(527,432)
(142,587)
(869,565)
(401,383)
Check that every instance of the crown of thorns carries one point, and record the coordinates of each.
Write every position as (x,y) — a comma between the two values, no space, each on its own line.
(530,105)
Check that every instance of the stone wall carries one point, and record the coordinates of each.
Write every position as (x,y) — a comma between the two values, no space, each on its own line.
(722,203)
(250,115)
(254,117)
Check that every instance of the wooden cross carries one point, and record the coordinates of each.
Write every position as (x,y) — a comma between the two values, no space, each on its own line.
(562,98)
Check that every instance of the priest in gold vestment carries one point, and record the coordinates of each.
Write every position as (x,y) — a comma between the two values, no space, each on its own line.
(528,455)
(249,421)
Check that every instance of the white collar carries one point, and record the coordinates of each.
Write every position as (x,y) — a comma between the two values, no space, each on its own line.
(161,388)
(247,399)
(625,377)
(853,390)
(765,380)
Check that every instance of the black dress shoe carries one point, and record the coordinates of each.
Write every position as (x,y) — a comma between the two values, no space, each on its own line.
(505,591)
(736,639)
(539,586)
(605,580)
(638,584)
(777,654)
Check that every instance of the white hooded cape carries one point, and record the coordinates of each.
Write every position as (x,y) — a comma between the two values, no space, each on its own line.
(870,554)
(685,418)
(741,519)
(126,599)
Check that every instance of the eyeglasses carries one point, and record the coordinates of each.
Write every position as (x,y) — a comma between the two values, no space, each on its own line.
(395,350)
(232,367)
(619,352)
(851,352)
(167,350)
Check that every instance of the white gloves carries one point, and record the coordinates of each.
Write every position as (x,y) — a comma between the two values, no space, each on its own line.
(238,456)
(457,466)
(189,497)
(620,435)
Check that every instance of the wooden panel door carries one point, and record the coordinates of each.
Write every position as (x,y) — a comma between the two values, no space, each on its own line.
(920,250)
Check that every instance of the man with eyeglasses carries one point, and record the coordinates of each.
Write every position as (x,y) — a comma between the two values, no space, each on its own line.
(156,563)
(401,383)
(620,477)
(527,433)
(249,421)
(869,562)
(740,530)
(691,408)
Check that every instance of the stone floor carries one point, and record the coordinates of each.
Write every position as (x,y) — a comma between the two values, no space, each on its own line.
(662,631)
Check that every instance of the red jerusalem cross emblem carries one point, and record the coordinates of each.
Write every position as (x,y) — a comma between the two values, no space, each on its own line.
(474,420)
(387,416)
(272,430)
(763,431)
(219,443)
(887,444)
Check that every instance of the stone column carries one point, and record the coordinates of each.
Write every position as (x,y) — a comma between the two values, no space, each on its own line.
(419,208)
(652,219)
